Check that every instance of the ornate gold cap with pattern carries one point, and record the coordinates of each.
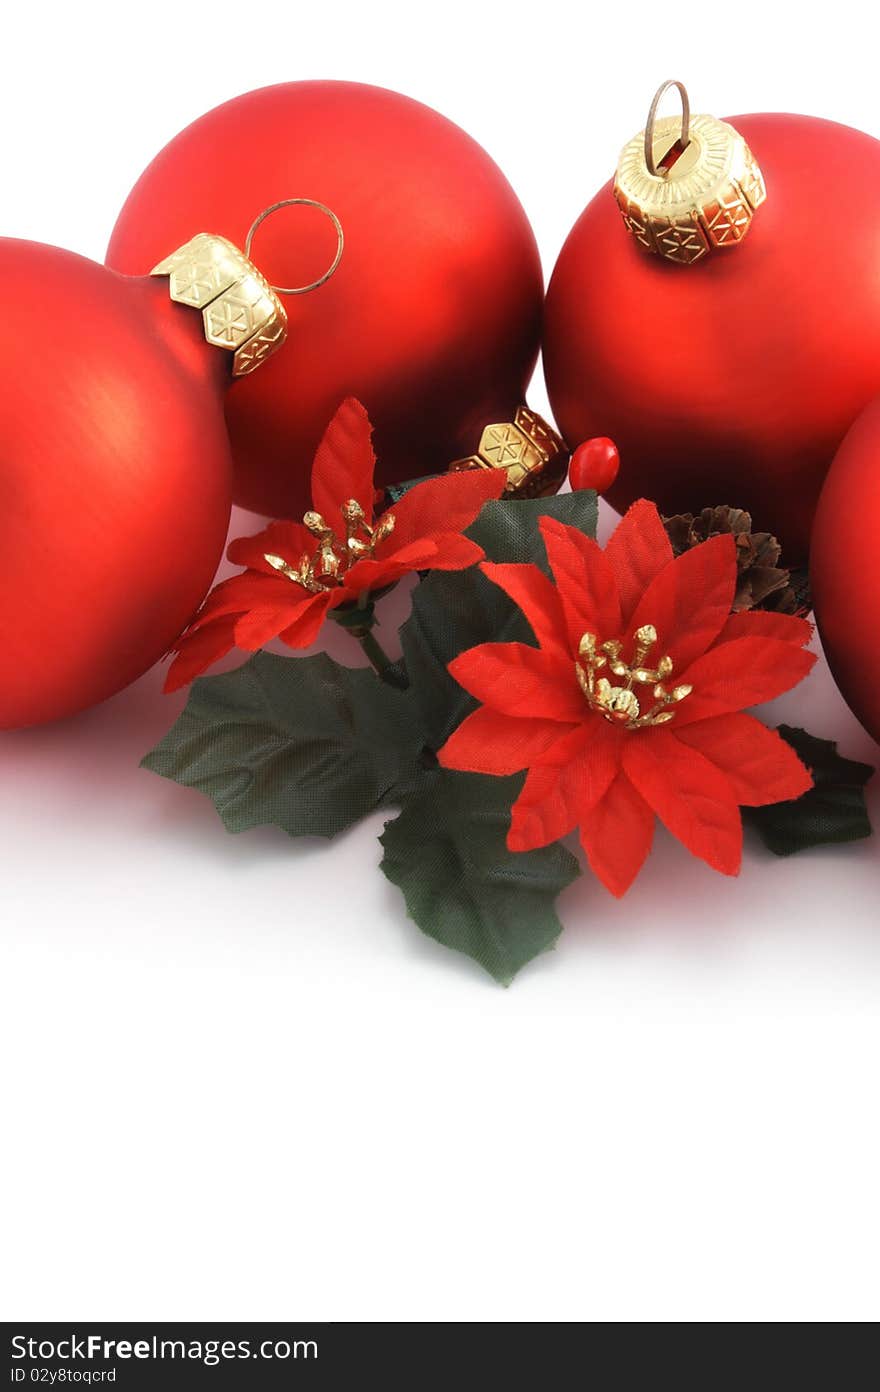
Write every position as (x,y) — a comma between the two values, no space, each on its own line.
(687,186)
(534,456)
(240,310)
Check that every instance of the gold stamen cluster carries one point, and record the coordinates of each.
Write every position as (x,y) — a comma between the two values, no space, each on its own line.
(333,558)
(620,704)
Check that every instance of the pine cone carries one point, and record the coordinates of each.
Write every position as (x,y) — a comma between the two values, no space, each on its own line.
(763,583)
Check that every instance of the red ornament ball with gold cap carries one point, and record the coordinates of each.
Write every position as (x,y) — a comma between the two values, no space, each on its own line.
(732,372)
(115,475)
(433,319)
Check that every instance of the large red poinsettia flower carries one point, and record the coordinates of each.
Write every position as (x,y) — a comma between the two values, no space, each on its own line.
(340,553)
(632,704)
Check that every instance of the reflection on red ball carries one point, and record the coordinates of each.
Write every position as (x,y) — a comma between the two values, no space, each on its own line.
(845,568)
(115,475)
(432,319)
(594,464)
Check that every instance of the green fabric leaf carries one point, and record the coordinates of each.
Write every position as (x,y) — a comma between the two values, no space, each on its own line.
(449,614)
(508,529)
(455,611)
(447,853)
(833,811)
(302,743)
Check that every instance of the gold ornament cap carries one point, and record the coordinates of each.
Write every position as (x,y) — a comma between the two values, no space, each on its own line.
(687,185)
(240,310)
(535,457)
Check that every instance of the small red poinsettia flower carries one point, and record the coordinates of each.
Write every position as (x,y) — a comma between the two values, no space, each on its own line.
(296,572)
(632,706)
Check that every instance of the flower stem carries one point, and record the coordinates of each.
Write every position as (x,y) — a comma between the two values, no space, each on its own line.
(380,659)
(358,620)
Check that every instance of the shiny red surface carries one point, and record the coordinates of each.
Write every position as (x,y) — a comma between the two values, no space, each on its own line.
(845,568)
(115,478)
(735,379)
(594,464)
(433,318)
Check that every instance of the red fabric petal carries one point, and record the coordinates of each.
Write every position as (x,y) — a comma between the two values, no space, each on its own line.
(756,623)
(537,597)
(689,601)
(446,504)
(344,463)
(454,552)
(518,680)
(637,551)
(373,573)
(544,811)
(305,629)
(200,649)
(760,767)
(617,834)
(289,540)
(250,590)
(562,789)
(734,676)
(258,627)
(585,582)
(489,742)
(692,798)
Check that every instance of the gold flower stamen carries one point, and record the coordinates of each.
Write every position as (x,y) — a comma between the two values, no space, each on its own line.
(620,704)
(332,557)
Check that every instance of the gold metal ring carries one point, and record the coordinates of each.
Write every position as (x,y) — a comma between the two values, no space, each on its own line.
(303,203)
(652,116)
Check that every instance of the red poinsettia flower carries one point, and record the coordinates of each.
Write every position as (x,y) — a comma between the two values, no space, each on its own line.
(632,704)
(296,572)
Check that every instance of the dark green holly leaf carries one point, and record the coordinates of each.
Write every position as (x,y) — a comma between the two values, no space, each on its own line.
(447,853)
(455,611)
(300,743)
(508,530)
(452,612)
(833,811)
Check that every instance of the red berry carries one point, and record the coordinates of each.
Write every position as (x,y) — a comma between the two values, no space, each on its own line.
(594,464)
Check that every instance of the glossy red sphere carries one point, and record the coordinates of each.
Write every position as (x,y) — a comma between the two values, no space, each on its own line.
(433,317)
(594,464)
(735,379)
(845,568)
(115,475)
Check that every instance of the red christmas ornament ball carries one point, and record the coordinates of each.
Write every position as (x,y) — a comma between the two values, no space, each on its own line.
(433,317)
(594,464)
(732,380)
(845,568)
(115,474)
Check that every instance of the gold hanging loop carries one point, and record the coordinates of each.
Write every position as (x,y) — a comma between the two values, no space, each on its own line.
(300,203)
(684,138)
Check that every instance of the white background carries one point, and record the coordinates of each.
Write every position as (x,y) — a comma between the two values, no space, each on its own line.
(238,1083)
